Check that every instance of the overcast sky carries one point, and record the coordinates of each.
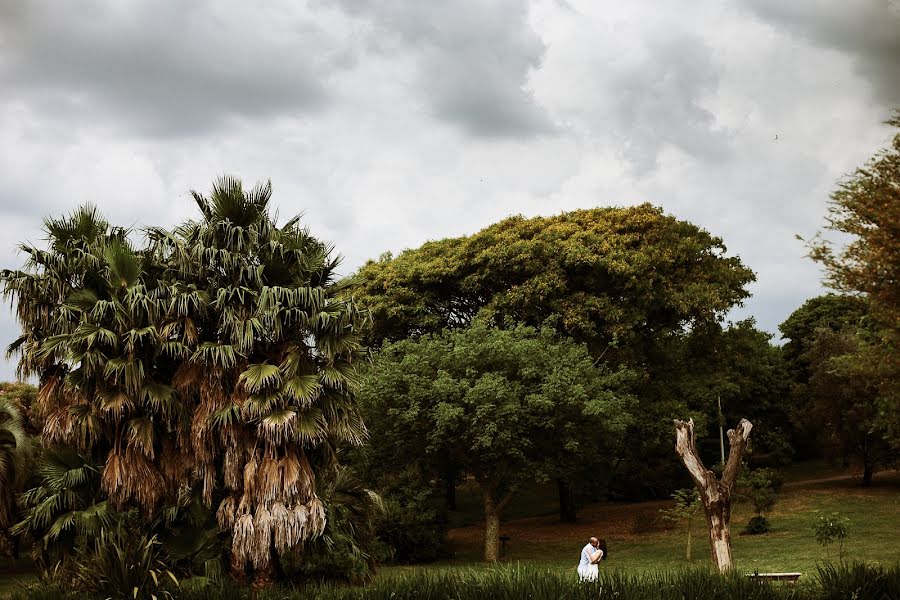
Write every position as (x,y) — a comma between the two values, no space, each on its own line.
(389,123)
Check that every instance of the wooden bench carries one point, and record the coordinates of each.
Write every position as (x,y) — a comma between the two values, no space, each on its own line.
(789,577)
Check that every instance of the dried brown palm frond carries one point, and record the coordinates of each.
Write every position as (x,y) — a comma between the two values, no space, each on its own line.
(316,517)
(58,427)
(226,515)
(242,540)
(299,527)
(209,485)
(262,537)
(233,466)
(268,484)
(132,476)
(175,463)
(115,402)
(290,474)
(278,426)
(47,396)
(282,526)
(141,435)
(188,376)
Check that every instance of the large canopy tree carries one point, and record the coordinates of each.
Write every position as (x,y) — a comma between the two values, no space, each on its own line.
(866,207)
(608,275)
(510,406)
(641,288)
(221,353)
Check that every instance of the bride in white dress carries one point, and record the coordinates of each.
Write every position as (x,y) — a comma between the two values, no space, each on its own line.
(591,555)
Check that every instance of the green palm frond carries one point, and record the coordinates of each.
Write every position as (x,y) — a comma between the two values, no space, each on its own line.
(126,370)
(92,335)
(259,376)
(310,426)
(257,405)
(82,226)
(220,355)
(159,396)
(124,265)
(304,389)
(83,299)
(226,417)
(141,435)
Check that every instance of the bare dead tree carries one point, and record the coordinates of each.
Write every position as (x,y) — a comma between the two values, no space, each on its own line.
(715,494)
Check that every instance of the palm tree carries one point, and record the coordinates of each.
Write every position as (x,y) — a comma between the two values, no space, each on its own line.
(15,451)
(222,354)
(272,340)
(89,310)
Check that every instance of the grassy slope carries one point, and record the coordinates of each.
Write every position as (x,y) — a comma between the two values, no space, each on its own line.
(637,542)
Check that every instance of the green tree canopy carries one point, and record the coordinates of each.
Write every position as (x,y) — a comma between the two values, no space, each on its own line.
(841,400)
(866,207)
(510,406)
(642,289)
(607,275)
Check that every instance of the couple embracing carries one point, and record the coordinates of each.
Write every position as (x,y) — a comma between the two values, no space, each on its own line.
(591,555)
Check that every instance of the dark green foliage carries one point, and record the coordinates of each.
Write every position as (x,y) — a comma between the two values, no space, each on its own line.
(641,289)
(757,525)
(865,209)
(413,530)
(122,564)
(509,406)
(859,580)
(843,581)
(348,549)
(760,487)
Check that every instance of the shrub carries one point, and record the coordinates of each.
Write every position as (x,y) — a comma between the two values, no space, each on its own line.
(413,533)
(687,503)
(757,525)
(831,528)
(123,565)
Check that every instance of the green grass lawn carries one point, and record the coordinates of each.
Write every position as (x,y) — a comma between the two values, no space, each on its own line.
(637,543)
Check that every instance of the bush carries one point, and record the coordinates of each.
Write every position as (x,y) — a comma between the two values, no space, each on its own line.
(413,533)
(757,525)
(761,487)
(124,565)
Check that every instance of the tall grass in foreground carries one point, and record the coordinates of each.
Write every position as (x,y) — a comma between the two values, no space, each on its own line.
(833,581)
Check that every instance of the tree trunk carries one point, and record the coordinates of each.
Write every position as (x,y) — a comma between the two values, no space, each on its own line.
(237,568)
(567,510)
(491,525)
(715,495)
(265,577)
(868,472)
(450,491)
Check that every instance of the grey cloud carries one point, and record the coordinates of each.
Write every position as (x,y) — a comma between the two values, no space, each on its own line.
(868,31)
(657,100)
(473,60)
(159,68)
